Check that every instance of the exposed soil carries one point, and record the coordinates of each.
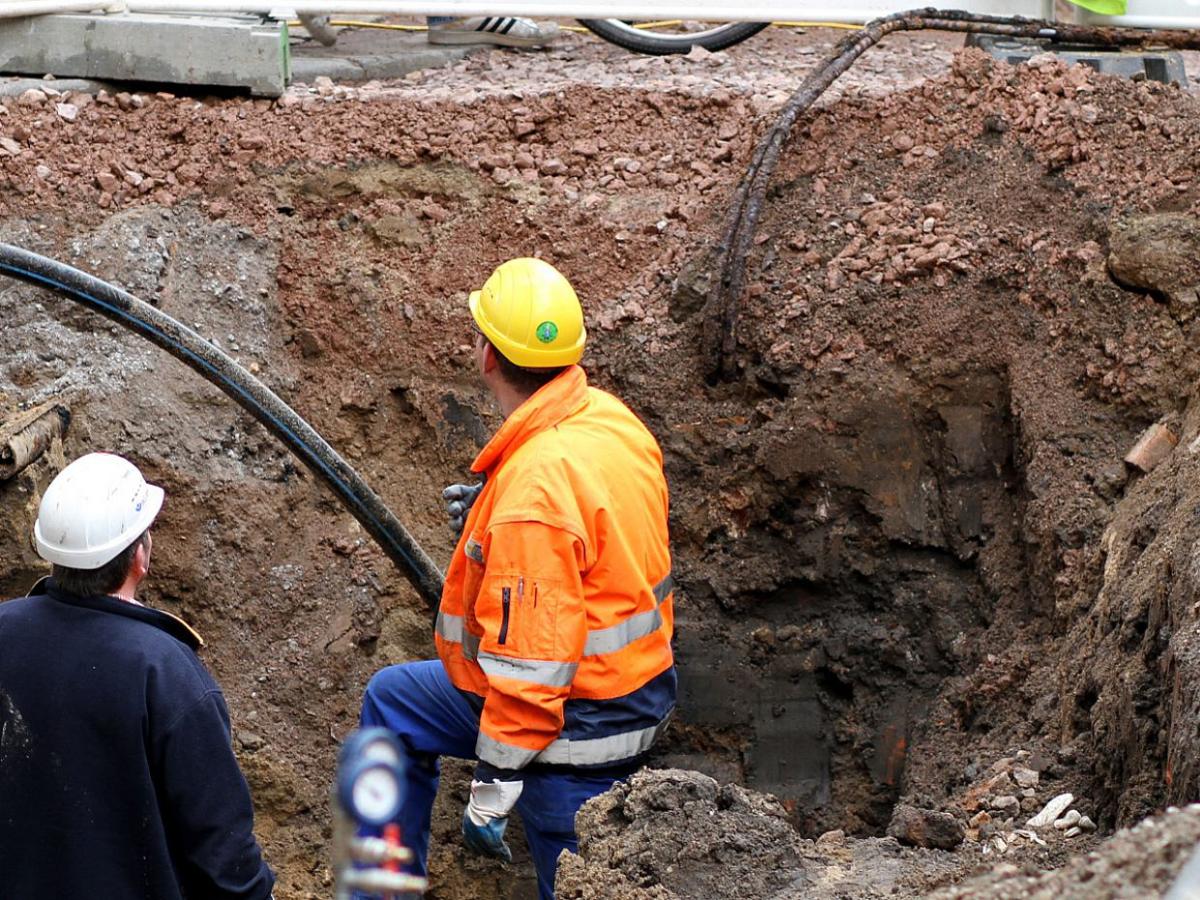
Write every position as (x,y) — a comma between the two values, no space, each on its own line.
(674,834)
(912,558)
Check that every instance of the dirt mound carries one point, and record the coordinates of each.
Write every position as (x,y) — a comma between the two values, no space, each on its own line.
(673,833)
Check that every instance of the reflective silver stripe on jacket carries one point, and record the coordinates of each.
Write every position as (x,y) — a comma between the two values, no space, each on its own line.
(535,671)
(663,589)
(449,628)
(594,751)
(563,752)
(501,755)
(636,627)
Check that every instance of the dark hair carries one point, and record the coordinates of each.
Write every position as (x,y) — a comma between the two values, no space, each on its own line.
(104,580)
(527,381)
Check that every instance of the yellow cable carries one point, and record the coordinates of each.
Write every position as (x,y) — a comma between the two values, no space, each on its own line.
(348,23)
(845,25)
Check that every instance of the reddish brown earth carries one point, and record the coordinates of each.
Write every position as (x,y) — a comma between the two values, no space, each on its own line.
(908,545)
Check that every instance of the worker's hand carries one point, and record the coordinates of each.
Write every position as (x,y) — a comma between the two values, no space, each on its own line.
(459,500)
(486,817)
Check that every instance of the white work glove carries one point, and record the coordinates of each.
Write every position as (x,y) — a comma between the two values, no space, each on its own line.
(459,500)
(486,816)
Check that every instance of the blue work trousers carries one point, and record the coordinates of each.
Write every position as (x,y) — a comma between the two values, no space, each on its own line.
(432,718)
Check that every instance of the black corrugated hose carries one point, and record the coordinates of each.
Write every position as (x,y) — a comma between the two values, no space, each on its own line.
(245,390)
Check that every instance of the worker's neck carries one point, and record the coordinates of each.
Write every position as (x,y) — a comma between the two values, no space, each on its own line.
(128,590)
(509,398)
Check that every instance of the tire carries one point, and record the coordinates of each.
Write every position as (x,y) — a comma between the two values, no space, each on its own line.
(641,40)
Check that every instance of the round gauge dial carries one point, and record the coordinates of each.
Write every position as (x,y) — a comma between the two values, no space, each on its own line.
(370,791)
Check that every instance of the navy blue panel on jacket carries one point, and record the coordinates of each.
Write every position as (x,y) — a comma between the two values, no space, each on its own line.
(117,777)
(646,707)
(649,706)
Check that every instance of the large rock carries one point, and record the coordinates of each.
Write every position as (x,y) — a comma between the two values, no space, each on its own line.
(925,828)
(1159,253)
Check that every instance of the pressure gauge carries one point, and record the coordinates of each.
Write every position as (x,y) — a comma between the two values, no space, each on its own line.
(371,743)
(370,778)
(370,791)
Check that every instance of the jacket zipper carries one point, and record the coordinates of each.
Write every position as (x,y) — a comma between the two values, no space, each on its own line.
(506,594)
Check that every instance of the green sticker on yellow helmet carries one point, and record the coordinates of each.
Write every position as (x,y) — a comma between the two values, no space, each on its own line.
(547,332)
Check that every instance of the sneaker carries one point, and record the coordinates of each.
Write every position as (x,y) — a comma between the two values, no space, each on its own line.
(504,31)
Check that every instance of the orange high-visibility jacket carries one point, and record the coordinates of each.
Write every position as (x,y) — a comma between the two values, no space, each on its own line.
(557,608)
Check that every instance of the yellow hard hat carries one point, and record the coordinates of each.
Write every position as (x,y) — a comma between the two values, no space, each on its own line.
(530,313)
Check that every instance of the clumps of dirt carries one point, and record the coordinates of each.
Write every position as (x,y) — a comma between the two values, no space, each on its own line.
(674,834)
(167,148)
(1022,804)
(925,828)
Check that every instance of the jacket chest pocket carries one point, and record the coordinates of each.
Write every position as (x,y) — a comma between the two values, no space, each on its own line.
(521,615)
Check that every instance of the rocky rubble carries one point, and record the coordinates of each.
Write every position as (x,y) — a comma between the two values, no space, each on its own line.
(1064,116)
(1006,809)
(518,101)
(1135,863)
(1052,181)
(670,834)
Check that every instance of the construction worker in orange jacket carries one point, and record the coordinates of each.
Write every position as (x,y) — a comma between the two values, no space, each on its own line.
(555,668)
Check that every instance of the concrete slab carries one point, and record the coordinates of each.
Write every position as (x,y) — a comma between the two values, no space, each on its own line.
(234,52)
(1165,66)
(15,87)
(369,54)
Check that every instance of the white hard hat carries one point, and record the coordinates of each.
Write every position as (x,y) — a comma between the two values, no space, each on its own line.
(94,509)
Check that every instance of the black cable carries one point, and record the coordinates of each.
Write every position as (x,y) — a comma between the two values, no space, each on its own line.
(245,390)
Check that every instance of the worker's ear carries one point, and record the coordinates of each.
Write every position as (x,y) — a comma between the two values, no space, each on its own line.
(141,557)
(489,363)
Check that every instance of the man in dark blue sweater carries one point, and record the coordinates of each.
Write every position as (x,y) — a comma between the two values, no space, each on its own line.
(117,775)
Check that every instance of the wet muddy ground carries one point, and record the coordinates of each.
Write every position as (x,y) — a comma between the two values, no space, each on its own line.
(910,551)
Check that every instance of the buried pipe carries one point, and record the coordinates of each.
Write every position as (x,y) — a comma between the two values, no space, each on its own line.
(245,390)
(719,341)
(25,437)
(19,9)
